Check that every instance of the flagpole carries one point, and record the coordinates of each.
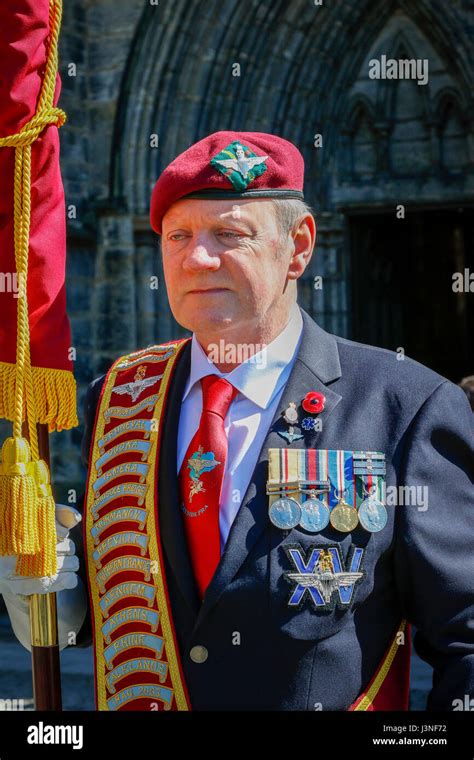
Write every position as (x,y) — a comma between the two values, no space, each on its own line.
(46,673)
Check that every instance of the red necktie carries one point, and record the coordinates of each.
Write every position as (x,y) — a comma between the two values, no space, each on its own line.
(201,476)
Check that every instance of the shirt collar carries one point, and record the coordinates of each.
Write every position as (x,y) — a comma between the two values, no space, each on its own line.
(260,377)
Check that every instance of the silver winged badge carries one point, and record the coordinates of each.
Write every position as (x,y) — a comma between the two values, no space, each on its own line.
(326,582)
(242,163)
(138,384)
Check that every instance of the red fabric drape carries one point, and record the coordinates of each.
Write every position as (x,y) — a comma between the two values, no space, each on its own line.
(24,29)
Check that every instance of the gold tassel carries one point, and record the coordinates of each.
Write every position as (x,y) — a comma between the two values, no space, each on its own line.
(55,396)
(44,562)
(18,521)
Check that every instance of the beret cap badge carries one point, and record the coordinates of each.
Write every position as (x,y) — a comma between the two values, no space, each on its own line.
(239,164)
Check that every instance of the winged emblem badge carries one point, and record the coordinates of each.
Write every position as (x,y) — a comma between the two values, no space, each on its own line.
(138,384)
(239,164)
(322,575)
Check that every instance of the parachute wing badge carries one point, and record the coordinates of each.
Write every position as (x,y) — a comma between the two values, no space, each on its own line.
(138,385)
(239,164)
(320,580)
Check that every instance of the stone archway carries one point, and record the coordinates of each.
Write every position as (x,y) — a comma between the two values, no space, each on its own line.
(406,146)
(413,133)
(301,74)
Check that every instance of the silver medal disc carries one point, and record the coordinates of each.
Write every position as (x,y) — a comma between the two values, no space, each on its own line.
(372,515)
(314,515)
(285,513)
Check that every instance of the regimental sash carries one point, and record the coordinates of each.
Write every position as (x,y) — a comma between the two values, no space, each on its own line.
(136,657)
(389,687)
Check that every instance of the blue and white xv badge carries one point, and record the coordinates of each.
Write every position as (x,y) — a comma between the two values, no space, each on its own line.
(321,575)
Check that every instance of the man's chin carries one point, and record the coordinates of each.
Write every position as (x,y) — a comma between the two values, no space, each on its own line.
(208,321)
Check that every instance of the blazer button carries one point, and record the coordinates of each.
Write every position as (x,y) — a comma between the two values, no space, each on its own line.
(198,653)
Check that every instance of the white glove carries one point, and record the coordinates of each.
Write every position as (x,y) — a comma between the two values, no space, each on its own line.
(71,599)
(68,563)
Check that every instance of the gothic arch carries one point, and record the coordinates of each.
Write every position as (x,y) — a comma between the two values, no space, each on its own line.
(410,144)
(356,105)
(452,128)
(360,138)
(298,70)
(407,110)
(402,48)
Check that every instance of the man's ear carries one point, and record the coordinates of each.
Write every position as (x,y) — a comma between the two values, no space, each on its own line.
(304,240)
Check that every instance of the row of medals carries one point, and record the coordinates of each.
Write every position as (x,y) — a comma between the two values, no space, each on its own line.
(313,515)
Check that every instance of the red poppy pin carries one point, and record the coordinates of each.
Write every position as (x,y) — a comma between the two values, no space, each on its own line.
(314,402)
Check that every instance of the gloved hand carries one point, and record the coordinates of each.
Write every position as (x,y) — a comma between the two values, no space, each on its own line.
(68,563)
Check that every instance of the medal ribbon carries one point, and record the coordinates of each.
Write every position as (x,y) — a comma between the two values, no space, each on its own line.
(314,468)
(283,468)
(341,471)
(333,465)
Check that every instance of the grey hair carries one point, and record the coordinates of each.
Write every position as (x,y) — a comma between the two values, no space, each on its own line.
(289,211)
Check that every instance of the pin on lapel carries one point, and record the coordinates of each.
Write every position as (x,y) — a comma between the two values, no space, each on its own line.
(291,417)
(313,403)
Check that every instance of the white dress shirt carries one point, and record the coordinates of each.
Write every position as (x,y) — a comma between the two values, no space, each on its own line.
(260,381)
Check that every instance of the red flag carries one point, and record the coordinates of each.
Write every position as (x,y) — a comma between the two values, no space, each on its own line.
(36,380)
(25,27)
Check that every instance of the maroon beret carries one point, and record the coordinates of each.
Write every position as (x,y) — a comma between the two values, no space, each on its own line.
(230,165)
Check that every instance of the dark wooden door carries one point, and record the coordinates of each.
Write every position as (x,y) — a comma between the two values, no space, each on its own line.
(402,286)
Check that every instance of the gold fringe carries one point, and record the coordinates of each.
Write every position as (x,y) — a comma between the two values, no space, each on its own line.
(55,396)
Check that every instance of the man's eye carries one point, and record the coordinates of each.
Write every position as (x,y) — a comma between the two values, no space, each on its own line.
(228,233)
(176,236)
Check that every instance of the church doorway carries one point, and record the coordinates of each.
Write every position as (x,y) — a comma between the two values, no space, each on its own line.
(402,285)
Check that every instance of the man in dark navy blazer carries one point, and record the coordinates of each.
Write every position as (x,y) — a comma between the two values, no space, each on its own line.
(232,257)
(419,567)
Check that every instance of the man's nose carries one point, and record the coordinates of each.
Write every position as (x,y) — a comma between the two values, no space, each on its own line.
(200,255)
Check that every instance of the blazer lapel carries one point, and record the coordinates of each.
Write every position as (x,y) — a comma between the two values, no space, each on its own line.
(173,538)
(317,363)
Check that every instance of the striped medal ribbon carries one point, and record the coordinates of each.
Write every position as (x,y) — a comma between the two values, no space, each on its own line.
(314,486)
(344,517)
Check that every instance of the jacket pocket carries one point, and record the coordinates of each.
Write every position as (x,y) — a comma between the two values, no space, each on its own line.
(316,583)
